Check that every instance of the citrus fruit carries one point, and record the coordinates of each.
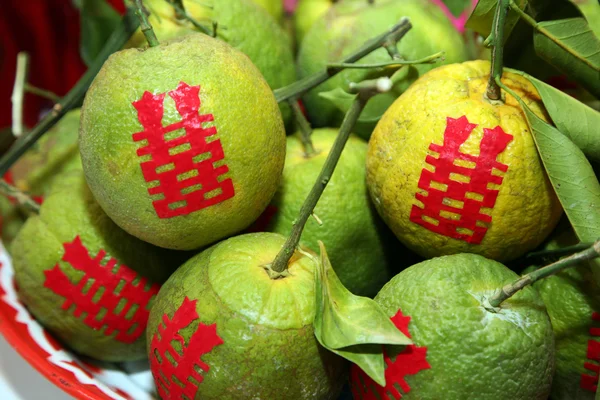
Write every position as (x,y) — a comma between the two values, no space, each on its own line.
(54,154)
(12,219)
(450,171)
(182,154)
(573,303)
(309,11)
(461,350)
(273,7)
(87,281)
(344,28)
(351,229)
(240,23)
(221,320)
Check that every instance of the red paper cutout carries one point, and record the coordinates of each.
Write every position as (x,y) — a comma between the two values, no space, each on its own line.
(410,361)
(204,186)
(457,132)
(590,382)
(103,276)
(172,373)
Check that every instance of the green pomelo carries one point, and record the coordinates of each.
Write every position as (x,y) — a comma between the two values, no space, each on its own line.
(354,236)
(273,7)
(268,348)
(248,127)
(309,11)
(346,27)
(242,24)
(572,297)
(69,211)
(461,350)
(55,154)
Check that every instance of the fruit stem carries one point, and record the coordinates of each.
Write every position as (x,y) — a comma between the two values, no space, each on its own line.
(18,94)
(364,91)
(181,13)
(299,88)
(390,64)
(497,41)
(115,42)
(510,289)
(27,202)
(47,94)
(305,129)
(147,30)
(563,251)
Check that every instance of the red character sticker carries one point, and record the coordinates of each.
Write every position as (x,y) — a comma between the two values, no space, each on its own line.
(182,169)
(410,361)
(176,372)
(471,191)
(96,293)
(590,381)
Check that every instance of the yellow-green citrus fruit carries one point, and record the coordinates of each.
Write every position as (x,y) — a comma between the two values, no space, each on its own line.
(452,172)
(55,154)
(351,229)
(344,29)
(221,320)
(12,219)
(241,23)
(273,7)
(572,299)
(182,154)
(309,11)
(461,349)
(83,278)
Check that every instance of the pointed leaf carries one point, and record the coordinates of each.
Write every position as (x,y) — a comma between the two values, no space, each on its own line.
(591,11)
(482,17)
(352,326)
(572,118)
(342,100)
(98,20)
(571,47)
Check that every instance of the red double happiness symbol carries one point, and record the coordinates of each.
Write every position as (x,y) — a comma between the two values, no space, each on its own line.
(176,372)
(590,381)
(467,185)
(182,170)
(98,294)
(410,361)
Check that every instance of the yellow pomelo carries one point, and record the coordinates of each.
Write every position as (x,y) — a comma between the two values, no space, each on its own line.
(450,171)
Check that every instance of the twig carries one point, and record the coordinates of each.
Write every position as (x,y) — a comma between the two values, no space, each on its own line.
(305,129)
(181,13)
(27,202)
(390,64)
(179,8)
(563,251)
(145,24)
(47,94)
(509,290)
(297,89)
(364,90)
(18,93)
(497,39)
(116,41)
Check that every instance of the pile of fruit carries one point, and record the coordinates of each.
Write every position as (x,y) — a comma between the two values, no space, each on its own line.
(434,237)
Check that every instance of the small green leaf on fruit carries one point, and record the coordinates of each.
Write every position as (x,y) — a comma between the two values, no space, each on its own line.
(98,20)
(351,326)
(571,46)
(572,118)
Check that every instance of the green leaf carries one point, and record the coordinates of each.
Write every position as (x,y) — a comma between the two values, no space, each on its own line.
(98,20)
(572,118)
(343,101)
(571,47)
(351,326)
(591,11)
(457,7)
(482,17)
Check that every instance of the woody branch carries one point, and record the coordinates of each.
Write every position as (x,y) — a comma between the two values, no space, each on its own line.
(12,192)
(497,41)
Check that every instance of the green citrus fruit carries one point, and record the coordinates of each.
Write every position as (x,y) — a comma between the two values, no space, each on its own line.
(345,28)
(489,193)
(309,11)
(573,303)
(54,154)
(192,176)
(59,259)
(351,230)
(240,23)
(250,336)
(461,350)
(273,7)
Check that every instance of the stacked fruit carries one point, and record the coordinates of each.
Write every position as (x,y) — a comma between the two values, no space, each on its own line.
(186,179)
